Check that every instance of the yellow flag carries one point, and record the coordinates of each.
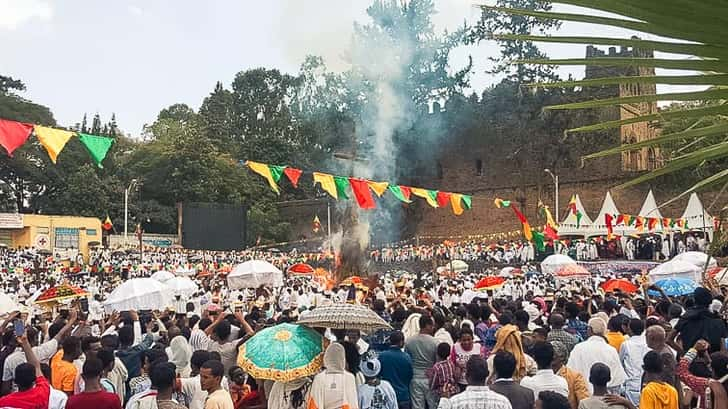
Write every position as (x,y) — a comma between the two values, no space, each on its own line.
(52,139)
(456,200)
(263,170)
(418,191)
(327,183)
(378,187)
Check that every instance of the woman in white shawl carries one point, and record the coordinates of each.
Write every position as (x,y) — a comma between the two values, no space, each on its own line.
(179,353)
(334,388)
(290,395)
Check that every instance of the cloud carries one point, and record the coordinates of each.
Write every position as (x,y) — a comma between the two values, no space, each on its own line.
(135,10)
(15,13)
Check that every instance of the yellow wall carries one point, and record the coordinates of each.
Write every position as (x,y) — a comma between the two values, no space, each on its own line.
(89,229)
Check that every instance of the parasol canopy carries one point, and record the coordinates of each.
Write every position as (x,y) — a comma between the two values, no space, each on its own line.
(59,293)
(344,316)
(719,274)
(282,353)
(619,284)
(182,286)
(138,294)
(7,304)
(697,258)
(301,268)
(490,283)
(253,274)
(572,271)
(458,266)
(509,272)
(674,286)
(675,269)
(555,262)
(162,276)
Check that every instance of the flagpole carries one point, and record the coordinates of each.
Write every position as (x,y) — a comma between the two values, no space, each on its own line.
(328,222)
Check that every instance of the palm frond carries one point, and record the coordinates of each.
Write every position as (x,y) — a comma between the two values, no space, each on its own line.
(708,79)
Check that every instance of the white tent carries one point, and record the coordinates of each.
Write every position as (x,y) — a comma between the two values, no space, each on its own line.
(698,258)
(649,207)
(599,226)
(697,217)
(673,269)
(570,227)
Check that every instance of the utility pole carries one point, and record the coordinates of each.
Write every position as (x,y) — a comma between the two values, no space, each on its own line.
(126,210)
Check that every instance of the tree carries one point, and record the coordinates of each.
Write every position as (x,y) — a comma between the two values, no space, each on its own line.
(497,23)
(216,114)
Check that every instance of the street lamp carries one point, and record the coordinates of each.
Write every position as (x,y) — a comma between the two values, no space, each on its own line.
(126,210)
(556,192)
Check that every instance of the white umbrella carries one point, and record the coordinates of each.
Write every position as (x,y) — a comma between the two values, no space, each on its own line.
(697,258)
(162,276)
(7,304)
(506,272)
(253,274)
(555,262)
(459,266)
(184,271)
(675,269)
(139,294)
(182,286)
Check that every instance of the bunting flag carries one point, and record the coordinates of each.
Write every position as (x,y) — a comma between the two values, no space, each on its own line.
(327,183)
(608,222)
(628,220)
(672,223)
(456,200)
(54,140)
(276,172)
(362,194)
(264,170)
(429,195)
(293,175)
(13,134)
(665,223)
(316,224)
(639,224)
(97,146)
(527,233)
(341,184)
(443,198)
(403,193)
(500,203)
(107,224)
(378,187)
(572,205)
(468,201)
(620,219)
(651,223)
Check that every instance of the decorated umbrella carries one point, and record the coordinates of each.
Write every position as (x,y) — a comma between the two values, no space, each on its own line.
(509,272)
(163,276)
(490,283)
(7,304)
(138,294)
(572,271)
(356,280)
(301,268)
(619,284)
(345,316)
(675,269)
(674,286)
(697,258)
(720,275)
(182,286)
(556,262)
(253,274)
(59,293)
(282,353)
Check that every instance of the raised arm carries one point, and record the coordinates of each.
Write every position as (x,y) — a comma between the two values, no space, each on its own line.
(30,356)
(72,317)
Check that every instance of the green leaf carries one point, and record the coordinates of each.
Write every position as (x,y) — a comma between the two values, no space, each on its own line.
(580,18)
(718,177)
(713,94)
(708,79)
(673,64)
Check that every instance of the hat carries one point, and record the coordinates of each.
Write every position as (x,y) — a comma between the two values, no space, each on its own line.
(370,367)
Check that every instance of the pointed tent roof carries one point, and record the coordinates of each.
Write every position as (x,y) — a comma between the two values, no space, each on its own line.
(599,227)
(696,215)
(568,227)
(649,208)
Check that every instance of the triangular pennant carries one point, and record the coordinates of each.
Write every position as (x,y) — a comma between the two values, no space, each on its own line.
(341,184)
(378,187)
(54,140)
(327,183)
(276,171)
(402,193)
(425,194)
(97,146)
(293,175)
(456,201)
(362,194)
(620,219)
(468,201)
(665,222)
(263,170)
(13,134)
(443,198)
(500,203)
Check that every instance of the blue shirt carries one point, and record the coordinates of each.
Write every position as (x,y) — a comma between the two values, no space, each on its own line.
(397,370)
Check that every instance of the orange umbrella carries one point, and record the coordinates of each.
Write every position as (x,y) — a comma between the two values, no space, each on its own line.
(301,268)
(619,284)
(572,271)
(490,283)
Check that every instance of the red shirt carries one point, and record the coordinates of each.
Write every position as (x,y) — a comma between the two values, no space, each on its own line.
(94,400)
(33,398)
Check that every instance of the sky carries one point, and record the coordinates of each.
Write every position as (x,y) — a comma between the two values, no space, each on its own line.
(134,57)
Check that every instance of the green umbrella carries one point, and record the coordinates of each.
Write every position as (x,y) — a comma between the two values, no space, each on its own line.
(282,353)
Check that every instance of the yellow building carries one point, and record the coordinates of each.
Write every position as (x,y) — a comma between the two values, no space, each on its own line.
(62,235)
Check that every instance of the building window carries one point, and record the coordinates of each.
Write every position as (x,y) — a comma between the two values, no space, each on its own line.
(651,159)
(91,232)
(66,238)
(479,167)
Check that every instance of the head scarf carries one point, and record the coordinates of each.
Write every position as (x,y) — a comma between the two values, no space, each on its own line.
(335,358)
(508,338)
(180,353)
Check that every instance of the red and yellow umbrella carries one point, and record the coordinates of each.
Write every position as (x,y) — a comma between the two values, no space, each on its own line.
(490,283)
(61,292)
(301,268)
(619,284)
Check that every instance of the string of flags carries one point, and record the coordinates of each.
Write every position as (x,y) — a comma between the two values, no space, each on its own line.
(550,229)
(641,223)
(14,134)
(339,187)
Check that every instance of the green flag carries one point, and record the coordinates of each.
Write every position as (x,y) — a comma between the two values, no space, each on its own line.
(97,146)
(538,240)
(468,201)
(400,193)
(276,171)
(578,219)
(341,184)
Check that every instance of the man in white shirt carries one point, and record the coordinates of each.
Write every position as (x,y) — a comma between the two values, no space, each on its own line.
(56,399)
(191,388)
(545,379)
(596,349)
(631,354)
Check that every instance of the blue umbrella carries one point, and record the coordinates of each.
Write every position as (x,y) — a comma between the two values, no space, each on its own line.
(675,286)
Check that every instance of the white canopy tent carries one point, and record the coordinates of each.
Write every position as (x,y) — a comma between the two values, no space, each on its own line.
(570,226)
(675,269)
(599,226)
(649,207)
(697,217)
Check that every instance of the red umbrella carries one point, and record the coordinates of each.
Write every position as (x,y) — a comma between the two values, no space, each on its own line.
(301,268)
(572,270)
(619,284)
(490,283)
(61,292)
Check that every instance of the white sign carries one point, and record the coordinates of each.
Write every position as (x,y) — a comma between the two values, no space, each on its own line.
(42,242)
(11,221)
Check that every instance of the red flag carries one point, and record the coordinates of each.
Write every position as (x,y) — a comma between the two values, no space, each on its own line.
(550,232)
(13,134)
(363,195)
(651,223)
(293,174)
(639,224)
(107,224)
(620,219)
(666,222)
(608,222)
(443,198)
(406,191)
